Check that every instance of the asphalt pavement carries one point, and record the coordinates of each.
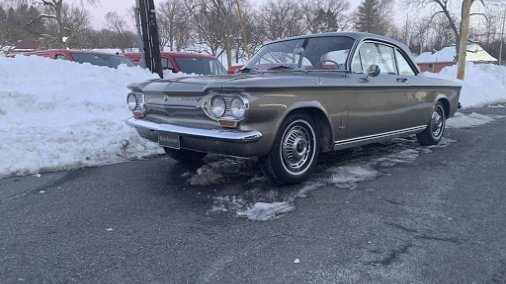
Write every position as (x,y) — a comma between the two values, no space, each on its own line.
(438,218)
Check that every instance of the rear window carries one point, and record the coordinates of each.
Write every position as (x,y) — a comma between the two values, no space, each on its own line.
(106,60)
(201,66)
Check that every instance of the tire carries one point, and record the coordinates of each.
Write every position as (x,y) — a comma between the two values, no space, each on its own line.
(185,156)
(433,134)
(293,163)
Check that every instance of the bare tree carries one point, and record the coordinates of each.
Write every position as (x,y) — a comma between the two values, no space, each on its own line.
(75,22)
(122,38)
(55,9)
(326,15)
(282,18)
(444,7)
(174,30)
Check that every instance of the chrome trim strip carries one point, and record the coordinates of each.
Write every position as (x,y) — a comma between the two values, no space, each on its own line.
(379,135)
(218,134)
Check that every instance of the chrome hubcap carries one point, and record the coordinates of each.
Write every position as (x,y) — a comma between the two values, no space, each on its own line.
(437,122)
(297,147)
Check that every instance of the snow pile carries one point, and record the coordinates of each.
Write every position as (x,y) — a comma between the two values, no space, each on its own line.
(59,115)
(461,120)
(484,84)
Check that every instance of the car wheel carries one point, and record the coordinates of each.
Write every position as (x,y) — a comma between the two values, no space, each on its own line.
(295,151)
(436,127)
(185,156)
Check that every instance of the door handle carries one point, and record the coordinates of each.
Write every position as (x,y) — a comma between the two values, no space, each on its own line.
(402,80)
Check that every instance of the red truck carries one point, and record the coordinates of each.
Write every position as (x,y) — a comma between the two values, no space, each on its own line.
(189,63)
(84,56)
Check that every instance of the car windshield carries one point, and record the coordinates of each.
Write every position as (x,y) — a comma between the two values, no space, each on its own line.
(112,61)
(201,66)
(318,53)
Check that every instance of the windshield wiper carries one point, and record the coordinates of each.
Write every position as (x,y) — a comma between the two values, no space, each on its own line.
(246,70)
(281,67)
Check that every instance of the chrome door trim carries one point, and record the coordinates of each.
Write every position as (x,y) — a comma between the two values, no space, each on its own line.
(341,144)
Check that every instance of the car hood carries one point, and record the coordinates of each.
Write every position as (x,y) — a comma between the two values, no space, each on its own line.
(202,84)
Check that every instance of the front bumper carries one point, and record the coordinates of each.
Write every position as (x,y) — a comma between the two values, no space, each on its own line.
(221,141)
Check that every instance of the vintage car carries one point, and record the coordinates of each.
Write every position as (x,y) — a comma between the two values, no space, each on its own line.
(296,98)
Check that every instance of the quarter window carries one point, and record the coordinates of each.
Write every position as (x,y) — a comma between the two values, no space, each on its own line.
(61,57)
(403,65)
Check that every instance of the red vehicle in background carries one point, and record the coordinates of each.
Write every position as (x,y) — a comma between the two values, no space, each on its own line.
(84,56)
(189,63)
(234,69)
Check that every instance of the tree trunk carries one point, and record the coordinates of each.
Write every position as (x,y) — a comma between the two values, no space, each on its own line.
(464,36)
(59,20)
(228,50)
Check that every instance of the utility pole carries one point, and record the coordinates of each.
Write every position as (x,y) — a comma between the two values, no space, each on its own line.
(464,36)
(150,40)
(243,30)
(502,35)
(137,13)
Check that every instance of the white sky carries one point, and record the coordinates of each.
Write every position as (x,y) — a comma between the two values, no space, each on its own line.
(122,7)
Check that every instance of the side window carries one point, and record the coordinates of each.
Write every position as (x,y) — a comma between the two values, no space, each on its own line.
(60,57)
(375,54)
(166,64)
(403,65)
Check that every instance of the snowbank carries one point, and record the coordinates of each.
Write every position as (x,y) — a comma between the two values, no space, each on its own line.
(60,115)
(484,84)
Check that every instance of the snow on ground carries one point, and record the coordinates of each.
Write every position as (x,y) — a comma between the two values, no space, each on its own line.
(259,201)
(461,120)
(484,84)
(59,115)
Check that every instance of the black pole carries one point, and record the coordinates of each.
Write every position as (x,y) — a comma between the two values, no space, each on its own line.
(150,36)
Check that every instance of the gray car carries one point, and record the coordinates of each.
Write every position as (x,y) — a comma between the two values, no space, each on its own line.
(296,98)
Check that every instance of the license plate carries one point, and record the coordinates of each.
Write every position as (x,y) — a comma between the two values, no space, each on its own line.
(170,140)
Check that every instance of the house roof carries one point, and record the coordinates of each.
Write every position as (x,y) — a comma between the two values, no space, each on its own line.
(475,53)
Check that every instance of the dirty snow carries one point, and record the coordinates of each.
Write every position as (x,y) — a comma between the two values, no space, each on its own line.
(255,202)
(461,120)
(60,115)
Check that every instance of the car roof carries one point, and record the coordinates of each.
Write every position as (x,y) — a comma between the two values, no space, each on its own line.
(189,54)
(176,54)
(359,36)
(73,51)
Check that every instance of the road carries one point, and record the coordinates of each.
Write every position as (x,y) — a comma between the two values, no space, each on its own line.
(384,213)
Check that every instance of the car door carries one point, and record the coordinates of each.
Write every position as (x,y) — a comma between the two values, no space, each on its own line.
(419,98)
(377,105)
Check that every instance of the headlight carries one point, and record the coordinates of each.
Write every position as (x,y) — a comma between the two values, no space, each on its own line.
(218,106)
(136,104)
(132,102)
(237,108)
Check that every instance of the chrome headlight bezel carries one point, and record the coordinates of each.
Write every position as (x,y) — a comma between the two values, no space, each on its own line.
(139,110)
(132,101)
(227,114)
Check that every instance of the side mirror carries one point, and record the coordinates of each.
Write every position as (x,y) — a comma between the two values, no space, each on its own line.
(373,70)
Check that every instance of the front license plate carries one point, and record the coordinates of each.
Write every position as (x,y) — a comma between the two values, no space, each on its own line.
(171,140)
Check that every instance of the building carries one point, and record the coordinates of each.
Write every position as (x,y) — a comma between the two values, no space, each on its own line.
(20,46)
(434,62)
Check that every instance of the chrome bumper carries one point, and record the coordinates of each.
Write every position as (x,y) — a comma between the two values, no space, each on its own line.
(215,134)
